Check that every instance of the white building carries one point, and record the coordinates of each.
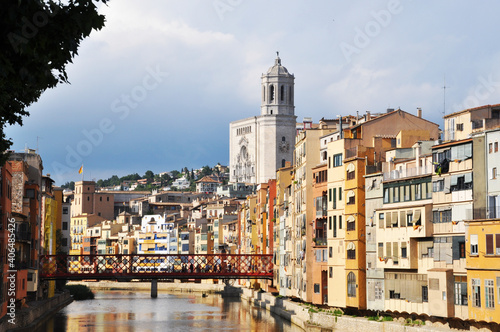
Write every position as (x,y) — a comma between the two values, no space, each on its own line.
(181,183)
(259,145)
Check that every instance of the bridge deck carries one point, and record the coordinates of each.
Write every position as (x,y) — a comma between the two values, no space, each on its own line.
(145,266)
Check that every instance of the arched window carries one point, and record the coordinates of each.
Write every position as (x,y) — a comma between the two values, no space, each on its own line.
(271,112)
(351,250)
(263,93)
(351,284)
(283,139)
(283,162)
(271,93)
(282,93)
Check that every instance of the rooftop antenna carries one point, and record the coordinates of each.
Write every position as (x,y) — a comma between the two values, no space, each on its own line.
(444,95)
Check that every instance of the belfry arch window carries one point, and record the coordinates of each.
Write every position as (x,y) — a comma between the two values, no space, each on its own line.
(263,93)
(271,93)
(282,93)
(283,138)
(283,162)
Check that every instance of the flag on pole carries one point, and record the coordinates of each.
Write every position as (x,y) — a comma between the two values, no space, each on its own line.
(80,171)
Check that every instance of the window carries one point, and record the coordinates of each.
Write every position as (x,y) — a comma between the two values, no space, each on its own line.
(460,127)
(395,252)
(330,252)
(441,216)
(334,226)
(107,199)
(394,295)
(378,290)
(498,290)
(418,191)
(351,199)
(461,249)
(461,182)
(425,294)
(351,175)
(65,210)
(497,244)
(438,186)
(493,173)
(461,290)
(396,194)
(386,195)
(489,244)
(316,288)
(490,148)
(403,250)
(351,254)
(380,220)
(351,285)
(407,193)
(334,198)
(496,147)
(340,193)
(380,250)
(473,244)
(476,292)
(351,225)
(489,293)
(330,272)
(65,225)
(337,160)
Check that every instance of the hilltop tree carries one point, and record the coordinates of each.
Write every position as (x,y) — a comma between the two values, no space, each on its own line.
(38,39)
(149,175)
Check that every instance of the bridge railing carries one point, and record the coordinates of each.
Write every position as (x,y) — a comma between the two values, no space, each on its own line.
(155,266)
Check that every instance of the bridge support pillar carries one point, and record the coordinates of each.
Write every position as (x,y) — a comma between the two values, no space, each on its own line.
(154,288)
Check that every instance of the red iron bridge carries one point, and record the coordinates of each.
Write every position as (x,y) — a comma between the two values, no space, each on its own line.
(154,267)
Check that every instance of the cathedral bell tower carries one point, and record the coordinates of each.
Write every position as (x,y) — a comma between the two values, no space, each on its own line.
(277,90)
(260,145)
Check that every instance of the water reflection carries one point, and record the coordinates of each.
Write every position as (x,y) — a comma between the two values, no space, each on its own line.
(127,311)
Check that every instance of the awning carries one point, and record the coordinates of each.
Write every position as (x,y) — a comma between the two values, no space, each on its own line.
(416,217)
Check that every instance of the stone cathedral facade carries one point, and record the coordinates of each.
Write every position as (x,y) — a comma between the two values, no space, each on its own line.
(260,145)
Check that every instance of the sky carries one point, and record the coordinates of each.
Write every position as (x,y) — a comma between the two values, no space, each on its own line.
(157,88)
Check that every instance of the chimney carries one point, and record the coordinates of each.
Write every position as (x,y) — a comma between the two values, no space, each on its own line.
(340,126)
(419,112)
(389,110)
(368,116)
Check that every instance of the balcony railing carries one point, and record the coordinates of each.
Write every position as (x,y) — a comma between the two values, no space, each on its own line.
(320,241)
(409,172)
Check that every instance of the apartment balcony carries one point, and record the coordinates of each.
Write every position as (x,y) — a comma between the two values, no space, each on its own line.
(354,153)
(408,173)
(23,236)
(320,241)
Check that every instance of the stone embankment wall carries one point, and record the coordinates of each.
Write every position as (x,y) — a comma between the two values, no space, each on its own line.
(28,318)
(295,312)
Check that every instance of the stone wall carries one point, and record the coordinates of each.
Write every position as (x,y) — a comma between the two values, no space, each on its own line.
(27,319)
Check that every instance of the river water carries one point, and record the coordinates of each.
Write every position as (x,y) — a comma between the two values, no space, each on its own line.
(128,311)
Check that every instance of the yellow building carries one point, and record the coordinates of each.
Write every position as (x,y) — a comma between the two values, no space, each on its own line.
(483,269)
(78,228)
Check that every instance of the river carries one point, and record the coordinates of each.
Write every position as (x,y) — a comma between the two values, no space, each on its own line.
(128,311)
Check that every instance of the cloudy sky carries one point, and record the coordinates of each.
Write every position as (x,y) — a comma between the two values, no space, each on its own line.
(158,86)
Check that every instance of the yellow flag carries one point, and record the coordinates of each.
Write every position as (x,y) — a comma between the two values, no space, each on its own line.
(80,171)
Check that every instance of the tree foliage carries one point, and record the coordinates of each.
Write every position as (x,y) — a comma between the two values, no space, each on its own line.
(38,39)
